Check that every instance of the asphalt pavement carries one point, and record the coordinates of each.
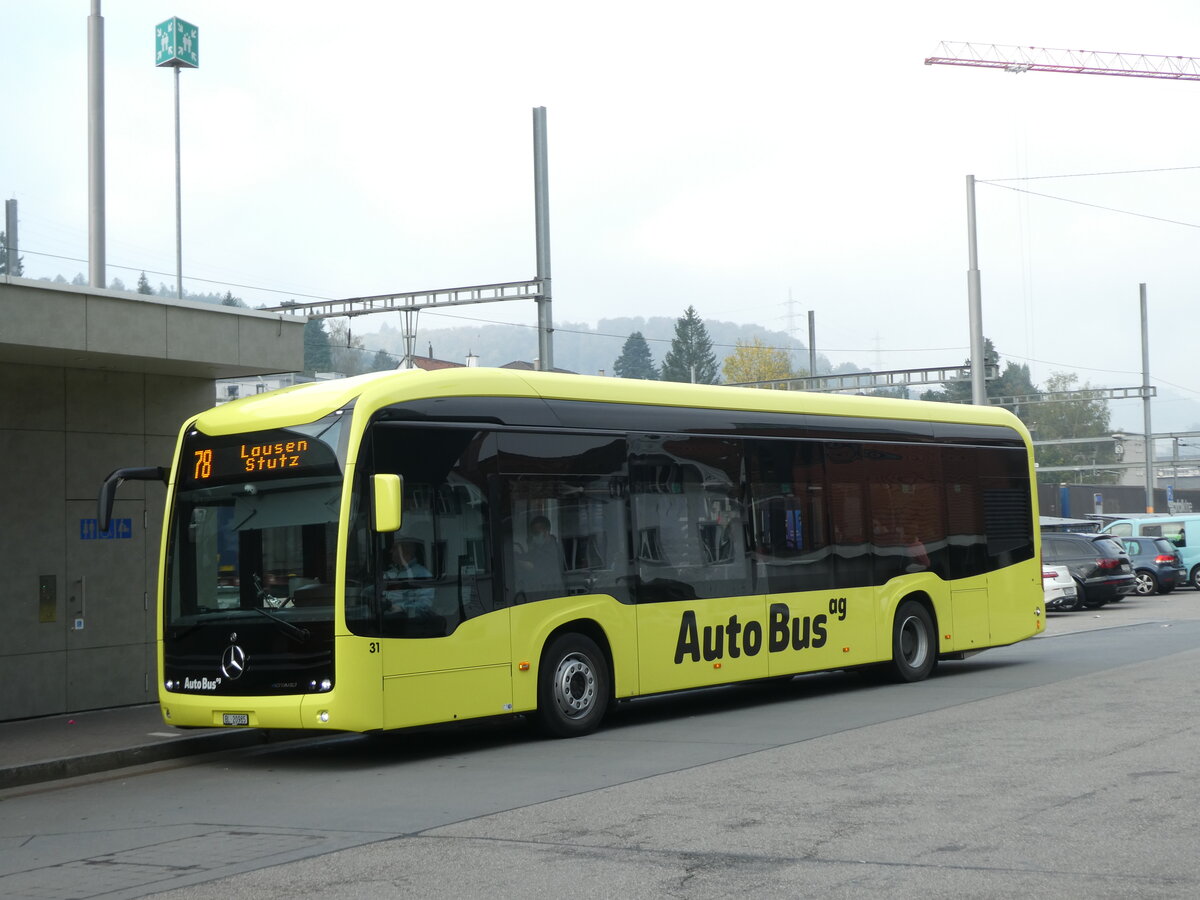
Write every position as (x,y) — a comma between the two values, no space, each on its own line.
(84,743)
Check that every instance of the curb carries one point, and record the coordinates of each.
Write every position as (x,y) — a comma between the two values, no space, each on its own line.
(90,764)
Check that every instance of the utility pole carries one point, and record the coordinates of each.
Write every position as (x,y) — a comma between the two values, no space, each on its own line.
(1149,439)
(11,246)
(974,303)
(541,201)
(97,276)
(812,343)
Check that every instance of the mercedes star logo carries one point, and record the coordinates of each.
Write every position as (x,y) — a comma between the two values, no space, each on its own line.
(233,662)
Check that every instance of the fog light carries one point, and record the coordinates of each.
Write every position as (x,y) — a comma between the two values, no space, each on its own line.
(323,716)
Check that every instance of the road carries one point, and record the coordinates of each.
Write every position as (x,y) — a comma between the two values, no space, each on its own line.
(1065,766)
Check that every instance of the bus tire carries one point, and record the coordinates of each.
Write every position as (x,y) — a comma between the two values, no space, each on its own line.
(914,643)
(573,686)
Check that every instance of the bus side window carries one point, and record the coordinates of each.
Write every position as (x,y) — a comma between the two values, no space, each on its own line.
(435,572)
(564,525)
(686,501)
(788,516)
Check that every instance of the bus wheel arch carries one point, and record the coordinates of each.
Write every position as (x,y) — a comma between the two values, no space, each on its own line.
(575,682)
(914,639)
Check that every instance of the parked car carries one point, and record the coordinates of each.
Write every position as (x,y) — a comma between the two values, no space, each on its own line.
(1059,588)
(1098,563)
(1182,530)
(1157,565)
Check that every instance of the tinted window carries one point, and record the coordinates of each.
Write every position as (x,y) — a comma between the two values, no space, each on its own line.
(434,573)
(1164,546)
(848,473)
(789,517)
(908,519)
(1108,547)
(966,539)
(689,536)
(1007,513)
(565,524)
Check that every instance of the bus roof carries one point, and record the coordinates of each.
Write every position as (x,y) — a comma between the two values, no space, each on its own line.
(310,401)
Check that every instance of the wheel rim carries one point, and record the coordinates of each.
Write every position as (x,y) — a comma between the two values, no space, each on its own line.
(575,686)
(1145,583)
(914,642)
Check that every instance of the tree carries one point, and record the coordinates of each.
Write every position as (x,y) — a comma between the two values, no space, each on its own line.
(117,285)
(316,347)
(960,391)
(144,285)
(635,360)
(383,361)
(18,269)
(1083,416)
(756,362)
(690,357)
(227,300)
(349,355)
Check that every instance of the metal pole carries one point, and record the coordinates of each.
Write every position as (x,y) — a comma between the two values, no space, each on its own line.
(97,270)
(974,303)
(541,202)
(1149,439)
(12,247)
(812,343)
(178,201)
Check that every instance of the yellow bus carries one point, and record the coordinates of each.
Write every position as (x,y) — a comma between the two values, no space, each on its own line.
(407,548)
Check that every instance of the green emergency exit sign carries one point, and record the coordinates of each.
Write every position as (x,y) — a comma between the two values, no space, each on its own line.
(177,43)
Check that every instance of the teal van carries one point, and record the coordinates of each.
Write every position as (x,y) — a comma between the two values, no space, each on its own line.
(1181,530)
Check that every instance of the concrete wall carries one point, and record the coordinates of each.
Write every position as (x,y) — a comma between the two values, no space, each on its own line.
(90,382)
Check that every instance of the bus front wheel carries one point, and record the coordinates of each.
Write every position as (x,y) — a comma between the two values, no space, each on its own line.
(914,643)
(573,686)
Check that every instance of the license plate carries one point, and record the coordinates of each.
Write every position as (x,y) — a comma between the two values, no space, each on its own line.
(235,718)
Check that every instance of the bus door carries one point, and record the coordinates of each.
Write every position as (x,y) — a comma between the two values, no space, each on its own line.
(444,633)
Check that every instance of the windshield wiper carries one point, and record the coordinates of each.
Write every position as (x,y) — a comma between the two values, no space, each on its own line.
(293,631)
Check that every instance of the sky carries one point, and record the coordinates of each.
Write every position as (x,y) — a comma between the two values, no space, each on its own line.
(755,160)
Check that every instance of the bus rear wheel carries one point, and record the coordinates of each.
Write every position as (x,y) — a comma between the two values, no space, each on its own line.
(914,643)
(573,686)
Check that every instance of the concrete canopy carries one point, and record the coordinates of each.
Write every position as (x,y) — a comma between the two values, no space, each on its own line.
(46,324)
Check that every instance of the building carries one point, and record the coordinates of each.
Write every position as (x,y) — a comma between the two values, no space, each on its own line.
(95,380)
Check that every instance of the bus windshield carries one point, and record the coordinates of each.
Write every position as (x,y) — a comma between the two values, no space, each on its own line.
(254,527)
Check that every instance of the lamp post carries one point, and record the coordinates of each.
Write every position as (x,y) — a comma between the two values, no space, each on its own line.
(177,46)
(97,271)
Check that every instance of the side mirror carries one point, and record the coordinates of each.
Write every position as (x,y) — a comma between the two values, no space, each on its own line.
(386,493)
(108,490)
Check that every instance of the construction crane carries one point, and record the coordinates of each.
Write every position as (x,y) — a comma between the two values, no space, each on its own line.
(1076,62)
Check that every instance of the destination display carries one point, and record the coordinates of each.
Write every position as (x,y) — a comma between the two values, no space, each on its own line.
(220,460)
